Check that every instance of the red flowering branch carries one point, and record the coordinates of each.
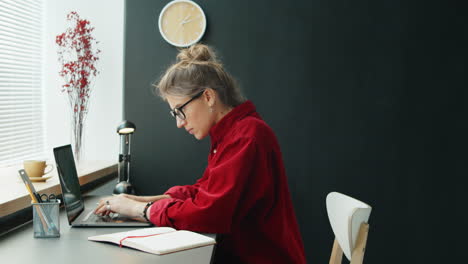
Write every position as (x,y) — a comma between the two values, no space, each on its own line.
(77,55)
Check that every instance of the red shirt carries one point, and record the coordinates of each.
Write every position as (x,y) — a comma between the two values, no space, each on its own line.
(243,195)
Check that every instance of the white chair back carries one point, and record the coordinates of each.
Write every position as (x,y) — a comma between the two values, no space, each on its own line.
(346,215)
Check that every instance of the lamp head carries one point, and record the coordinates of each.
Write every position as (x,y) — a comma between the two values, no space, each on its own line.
(124,187)
(126,127)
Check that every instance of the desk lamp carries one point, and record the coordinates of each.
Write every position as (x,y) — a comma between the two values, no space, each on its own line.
(125,130)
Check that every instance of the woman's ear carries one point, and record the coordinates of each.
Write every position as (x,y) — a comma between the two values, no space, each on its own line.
(210,97)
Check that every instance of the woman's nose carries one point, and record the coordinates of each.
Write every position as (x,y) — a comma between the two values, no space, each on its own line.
(180,122)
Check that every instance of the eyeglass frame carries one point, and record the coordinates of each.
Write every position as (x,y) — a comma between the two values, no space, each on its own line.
(179,109)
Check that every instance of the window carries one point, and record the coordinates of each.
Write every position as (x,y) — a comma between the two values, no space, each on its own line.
(21,92)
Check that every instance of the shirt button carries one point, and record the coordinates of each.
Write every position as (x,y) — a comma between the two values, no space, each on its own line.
(214,151)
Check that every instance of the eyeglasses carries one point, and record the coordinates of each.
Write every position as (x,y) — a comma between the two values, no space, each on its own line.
(177,112)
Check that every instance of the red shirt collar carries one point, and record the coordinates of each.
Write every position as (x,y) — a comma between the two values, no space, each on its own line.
(226,123)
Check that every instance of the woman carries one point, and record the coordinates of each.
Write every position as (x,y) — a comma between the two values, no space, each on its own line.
(243,195)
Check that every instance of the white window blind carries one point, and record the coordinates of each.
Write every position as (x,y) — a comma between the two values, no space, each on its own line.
(21,103)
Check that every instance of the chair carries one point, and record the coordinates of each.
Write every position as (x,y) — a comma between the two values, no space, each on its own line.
(348,219)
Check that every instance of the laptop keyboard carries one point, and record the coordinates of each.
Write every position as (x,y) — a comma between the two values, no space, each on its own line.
(94,218)
(98,219)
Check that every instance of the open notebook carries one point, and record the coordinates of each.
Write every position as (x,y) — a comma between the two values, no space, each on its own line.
(157,240)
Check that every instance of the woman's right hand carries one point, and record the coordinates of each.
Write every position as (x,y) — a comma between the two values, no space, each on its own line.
(147,199)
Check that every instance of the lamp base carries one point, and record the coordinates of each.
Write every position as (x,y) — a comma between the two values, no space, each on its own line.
(124,187)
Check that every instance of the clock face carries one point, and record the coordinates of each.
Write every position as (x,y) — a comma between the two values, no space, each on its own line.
(182,23)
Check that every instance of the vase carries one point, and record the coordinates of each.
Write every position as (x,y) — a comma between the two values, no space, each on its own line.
(77,136)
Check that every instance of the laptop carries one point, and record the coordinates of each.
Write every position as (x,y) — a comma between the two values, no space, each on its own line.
(73,202)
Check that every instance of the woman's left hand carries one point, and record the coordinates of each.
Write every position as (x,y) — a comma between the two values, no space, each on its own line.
(121,205)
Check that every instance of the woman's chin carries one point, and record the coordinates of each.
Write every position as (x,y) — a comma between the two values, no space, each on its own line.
(199,136)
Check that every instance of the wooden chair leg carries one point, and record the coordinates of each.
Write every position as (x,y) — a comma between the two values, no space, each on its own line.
(357,256)
(337,253)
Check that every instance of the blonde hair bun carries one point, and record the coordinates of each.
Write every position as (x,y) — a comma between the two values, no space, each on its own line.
(197,69)
(197,53)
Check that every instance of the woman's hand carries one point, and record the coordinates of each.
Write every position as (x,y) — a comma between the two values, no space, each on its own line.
(120,204)
(126,204)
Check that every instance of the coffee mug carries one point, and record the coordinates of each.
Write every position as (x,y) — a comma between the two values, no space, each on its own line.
(36,168)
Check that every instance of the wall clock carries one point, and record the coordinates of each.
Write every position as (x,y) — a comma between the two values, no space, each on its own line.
(182,23)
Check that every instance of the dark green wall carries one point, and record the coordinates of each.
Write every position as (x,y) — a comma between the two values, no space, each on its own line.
(366,98)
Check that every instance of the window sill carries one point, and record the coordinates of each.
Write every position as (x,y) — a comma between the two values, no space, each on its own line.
(15,197)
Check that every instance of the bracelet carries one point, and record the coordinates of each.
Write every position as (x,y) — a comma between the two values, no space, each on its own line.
(146,209)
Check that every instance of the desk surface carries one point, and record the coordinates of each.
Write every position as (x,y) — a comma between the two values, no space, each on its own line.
(19,246)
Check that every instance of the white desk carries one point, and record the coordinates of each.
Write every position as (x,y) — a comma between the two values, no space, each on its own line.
(19,246)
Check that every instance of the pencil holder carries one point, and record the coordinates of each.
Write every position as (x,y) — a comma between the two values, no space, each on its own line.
(46,219)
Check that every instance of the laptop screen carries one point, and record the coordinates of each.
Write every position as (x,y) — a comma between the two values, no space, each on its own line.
(69,183)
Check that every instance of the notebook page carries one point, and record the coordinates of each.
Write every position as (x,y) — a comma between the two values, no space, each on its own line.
(170,242)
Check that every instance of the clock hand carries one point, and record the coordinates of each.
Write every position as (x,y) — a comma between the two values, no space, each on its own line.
(178,28)
(186,21)
(185,18)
